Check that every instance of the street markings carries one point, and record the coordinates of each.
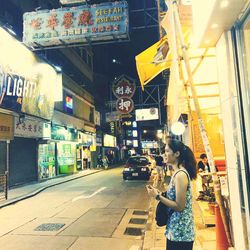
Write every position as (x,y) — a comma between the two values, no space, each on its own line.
(88,196)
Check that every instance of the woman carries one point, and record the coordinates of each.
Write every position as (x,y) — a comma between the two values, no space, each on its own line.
(180,225)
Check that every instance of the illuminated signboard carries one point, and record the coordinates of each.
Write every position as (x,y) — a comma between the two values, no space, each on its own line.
(64,2)
(146,114)
(81,24)
(68,105)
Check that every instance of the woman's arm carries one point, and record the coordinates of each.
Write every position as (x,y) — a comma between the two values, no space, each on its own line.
(181,183)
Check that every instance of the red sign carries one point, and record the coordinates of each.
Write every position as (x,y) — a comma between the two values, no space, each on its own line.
(124,105)
(124,88)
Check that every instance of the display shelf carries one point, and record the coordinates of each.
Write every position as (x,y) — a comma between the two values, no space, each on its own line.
(207,217)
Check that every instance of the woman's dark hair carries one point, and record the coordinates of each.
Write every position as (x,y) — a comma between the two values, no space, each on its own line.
(186,157)
(202,156)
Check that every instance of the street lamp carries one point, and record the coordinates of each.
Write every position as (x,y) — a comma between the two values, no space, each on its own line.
(177,128)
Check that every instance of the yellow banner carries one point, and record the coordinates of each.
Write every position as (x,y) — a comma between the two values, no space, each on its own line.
(153,61)
(6,127)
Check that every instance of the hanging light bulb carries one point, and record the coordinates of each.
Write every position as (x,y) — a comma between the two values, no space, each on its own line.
(177,128)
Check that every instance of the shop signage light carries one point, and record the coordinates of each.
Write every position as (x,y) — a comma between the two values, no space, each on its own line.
(65,2)
(123,88)
(146,114)
(69,104)
(124,105)
(178,128)
(81,24)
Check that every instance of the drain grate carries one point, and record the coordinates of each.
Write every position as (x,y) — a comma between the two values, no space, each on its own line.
(133,231)
(140,212)
(137,221)
(49,227)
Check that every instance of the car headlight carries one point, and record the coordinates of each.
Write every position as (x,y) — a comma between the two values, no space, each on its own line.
(126,169)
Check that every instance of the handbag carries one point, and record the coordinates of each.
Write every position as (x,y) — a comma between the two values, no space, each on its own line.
(163,213)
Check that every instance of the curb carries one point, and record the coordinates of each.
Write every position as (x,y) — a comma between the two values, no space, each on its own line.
(148,241)
(39,190)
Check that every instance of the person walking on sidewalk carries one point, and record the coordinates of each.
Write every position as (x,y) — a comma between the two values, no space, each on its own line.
(159,167)
(180,226)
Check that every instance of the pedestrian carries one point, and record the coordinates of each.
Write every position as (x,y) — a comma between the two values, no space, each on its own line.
(180,226)
(159,167)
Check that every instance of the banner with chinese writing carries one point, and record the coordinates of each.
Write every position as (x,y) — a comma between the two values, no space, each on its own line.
(124,105)
(28,128)
(123,88)
(81,24)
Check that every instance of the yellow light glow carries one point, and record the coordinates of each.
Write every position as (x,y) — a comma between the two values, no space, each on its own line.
(224,4)
(214,26)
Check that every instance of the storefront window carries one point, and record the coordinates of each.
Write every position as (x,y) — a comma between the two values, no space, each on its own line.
(243,68)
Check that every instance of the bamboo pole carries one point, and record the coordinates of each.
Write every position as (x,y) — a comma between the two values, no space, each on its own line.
(217,189)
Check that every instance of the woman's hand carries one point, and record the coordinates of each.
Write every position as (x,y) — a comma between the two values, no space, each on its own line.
(152,191)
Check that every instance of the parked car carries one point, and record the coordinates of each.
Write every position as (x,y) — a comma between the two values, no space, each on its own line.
(137,167)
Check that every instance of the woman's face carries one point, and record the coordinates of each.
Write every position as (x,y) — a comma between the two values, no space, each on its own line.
(170,155)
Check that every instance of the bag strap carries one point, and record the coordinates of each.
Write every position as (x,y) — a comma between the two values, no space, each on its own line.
(181,170)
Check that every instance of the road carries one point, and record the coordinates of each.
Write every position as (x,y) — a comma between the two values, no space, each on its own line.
(93,212)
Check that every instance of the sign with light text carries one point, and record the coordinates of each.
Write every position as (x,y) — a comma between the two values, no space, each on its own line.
(124,105)
(123,88)
(80,24)
(27,84)
(23,95)
(146,114)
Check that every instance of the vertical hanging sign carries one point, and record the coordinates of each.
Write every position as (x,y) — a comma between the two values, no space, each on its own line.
(124,90)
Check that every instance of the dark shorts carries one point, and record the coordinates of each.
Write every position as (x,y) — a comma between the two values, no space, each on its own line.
(179,245)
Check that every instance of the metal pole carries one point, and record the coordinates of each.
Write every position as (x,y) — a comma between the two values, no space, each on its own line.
(7,169)
(159,104)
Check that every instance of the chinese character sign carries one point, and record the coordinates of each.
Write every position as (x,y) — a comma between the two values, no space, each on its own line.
(124,88)
(76,24)
(28,128)
(124,105)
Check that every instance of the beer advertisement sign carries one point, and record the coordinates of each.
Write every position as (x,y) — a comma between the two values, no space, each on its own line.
(24,95)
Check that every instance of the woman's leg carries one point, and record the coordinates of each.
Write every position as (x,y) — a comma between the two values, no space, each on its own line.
(179,245)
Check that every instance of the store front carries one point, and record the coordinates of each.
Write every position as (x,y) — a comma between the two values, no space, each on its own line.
(65,143)
(28,134)
(231,38)
(6,134)
(110,148)
(28,89)
(84,159)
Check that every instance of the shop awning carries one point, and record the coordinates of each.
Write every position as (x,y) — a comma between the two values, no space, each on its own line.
(203,66)
(211,18)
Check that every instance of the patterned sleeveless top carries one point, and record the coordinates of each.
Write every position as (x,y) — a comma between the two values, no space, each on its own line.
(180,226)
